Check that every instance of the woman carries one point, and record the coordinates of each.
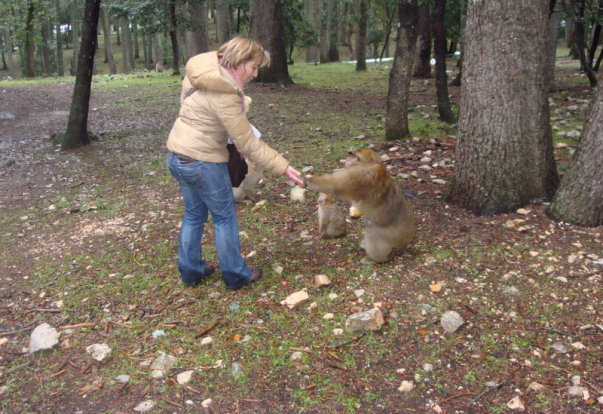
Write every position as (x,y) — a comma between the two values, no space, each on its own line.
(213,108)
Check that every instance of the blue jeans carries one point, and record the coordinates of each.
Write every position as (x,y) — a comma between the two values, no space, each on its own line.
(206,187)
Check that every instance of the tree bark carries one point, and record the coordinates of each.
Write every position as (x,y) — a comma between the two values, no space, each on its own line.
(551,45)
(439,34)
(222,21)
(107,38)
(313,16)
(45,31)
(59,43)
(324,31)
(174,39)
(579,199)
(504,152)
(334,31)
(361,36)
(74,16)
(29,42)
(125,45)
(195,39)
(77,126)
(10,62)
(423,66)
(581,44)
(396,122)
(266,27)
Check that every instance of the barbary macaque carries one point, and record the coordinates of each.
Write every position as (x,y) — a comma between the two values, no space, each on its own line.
(247,188)
(367,185)
(331,220)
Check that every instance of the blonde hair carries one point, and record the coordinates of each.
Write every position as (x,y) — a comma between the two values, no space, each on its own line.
(240,50)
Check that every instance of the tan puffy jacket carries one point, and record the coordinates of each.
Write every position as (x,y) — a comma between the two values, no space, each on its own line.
(211,111)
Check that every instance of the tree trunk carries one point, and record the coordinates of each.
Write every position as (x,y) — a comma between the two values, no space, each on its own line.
(581,44)
(29,42)
(396,122)
(313,16)
(107,37)
(125,45)
(571,40)
(457,80)
(46,32)
(324,31)
(551,45)
(158,55)
(135,46)
(334,31)
(59,43)
(10,62)
(504,152)
(75,32)
(439,35)
(361,36)
(195,41)
(266,27)
(222,21)
(423,66)
(77,126)
(174,39)
(579,199)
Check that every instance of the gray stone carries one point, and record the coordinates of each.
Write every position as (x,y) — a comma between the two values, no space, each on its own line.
(512,290)
(43,337)
(146,405)
(184,377)
(99,352)
(424,307)
(371,320)
(560,348)
(122,379)
(7,115)
(162,364)
(451,321)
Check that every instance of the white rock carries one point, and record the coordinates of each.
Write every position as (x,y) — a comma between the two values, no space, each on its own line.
(406,386)
(359,292)
(43,337)
(208,340)
(337,331)
(162,364)
(559,347)
(600,400)
(278,269)
(451,321)
(512,290)
(427,367)
(295,298)
(439,181)
(577,391)
(99,352)
(184,377)
(296,356)
(145,406)
(328,316)
(536,386)
(578,345)
(122,379)
(333,296)
(371,320)
(321,280)
(516,404)
(206,403)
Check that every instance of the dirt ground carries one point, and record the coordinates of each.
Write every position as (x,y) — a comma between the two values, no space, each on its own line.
(556,268)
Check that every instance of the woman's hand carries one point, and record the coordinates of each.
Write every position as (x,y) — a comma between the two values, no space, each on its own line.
(294,175)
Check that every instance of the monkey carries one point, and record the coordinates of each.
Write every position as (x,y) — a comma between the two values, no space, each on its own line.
(331,220)
(246,189)
(366,184)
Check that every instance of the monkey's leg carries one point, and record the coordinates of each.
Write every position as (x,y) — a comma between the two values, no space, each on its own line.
(377,247)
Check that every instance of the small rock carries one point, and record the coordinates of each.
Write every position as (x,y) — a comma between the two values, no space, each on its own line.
(600,400)
(512,290)
(278,269)
(99,352)
(158,333)
(122,379)
(427,367)
(296,356)
(237,369)
(162,364)
(359,292)
(436,287)
(451,321)
(406,386)
(577,391)
(208,340)
(206,403)
(43,337)
(321,280)
(371,320)
(560,348)
(578,345)
(439,181)
(337,331)
(184,377)
(328,316)
(536,386)
(425,308)
(516,404)
(333,296)
(523,211)
(3,390)
(145,406)
(561,279)
(295,298)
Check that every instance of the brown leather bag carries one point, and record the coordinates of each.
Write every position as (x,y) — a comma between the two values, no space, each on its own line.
(237,166)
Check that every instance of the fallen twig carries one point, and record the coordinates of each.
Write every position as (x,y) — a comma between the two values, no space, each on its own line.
(354,339)
(487,390)
(18,367)
(77,325)
(44,310)
(18,331)
(175,404)
(209,328)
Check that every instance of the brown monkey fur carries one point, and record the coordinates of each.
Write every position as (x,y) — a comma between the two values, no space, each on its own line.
(366,184)
(331,219)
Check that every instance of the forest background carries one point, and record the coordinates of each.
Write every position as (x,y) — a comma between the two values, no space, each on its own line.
(89,235)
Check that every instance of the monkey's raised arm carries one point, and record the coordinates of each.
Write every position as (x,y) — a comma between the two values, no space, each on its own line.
(345,184)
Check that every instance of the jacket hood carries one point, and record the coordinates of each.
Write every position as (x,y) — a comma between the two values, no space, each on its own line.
(204,72)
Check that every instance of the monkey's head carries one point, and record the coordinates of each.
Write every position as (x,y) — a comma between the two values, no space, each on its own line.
(363,157)
(324,198)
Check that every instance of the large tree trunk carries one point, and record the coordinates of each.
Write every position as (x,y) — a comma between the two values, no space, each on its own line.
(396,122)
(77,127)
(361,36)
(423,66)
(195,40)
(107,37)
(504,153)
(174,39)
(10,62)
(74,16)
(29,42)
(581,43)
(222,21)
(551,45)
(60,65)
(266,27)
(334,31)
(579,199)
(46,32)
(324,31)
(313,16)
(439,34)
(125,45)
